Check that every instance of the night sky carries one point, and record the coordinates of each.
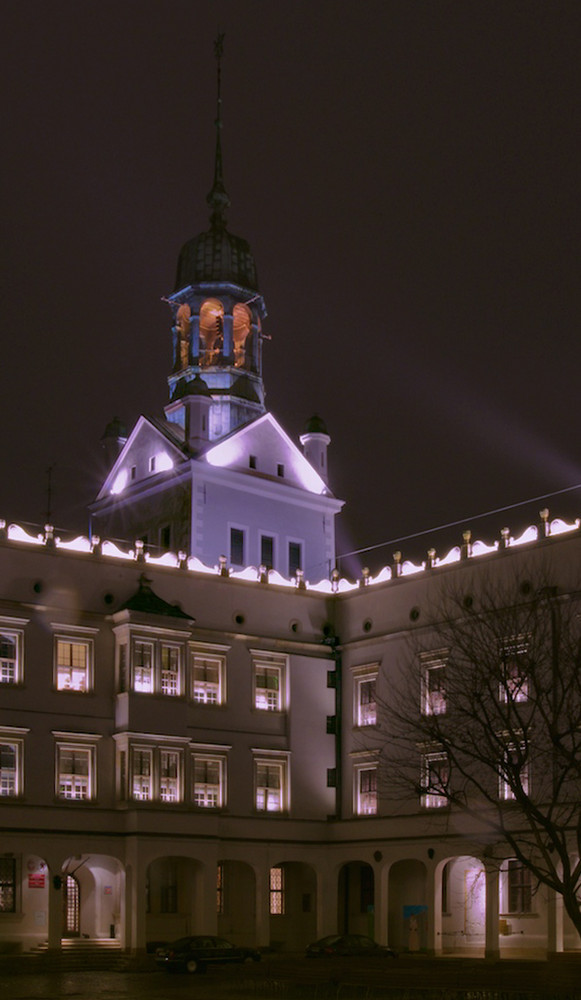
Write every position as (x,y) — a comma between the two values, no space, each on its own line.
(407,175)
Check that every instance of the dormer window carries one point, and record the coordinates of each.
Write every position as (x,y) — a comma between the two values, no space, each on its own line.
(252,461)
(280,470)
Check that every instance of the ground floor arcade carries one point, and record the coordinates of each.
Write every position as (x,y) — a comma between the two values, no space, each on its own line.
(271,894)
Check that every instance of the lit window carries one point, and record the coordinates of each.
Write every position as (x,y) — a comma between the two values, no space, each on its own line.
(271,790)
(7,885)
(366,790)
(277,891)
(143,666)
(75,772)
(9,769)
(267,688)
(295,558)
(10,656)
(208,673)
(520,888)
(236,547)
(73,660)
(267,551)
(514,685)
(513,773)
(435,778)
(366,705)
(169,776)
(170,670)
(433,686)
(155,774)
(141,775)
(208,782)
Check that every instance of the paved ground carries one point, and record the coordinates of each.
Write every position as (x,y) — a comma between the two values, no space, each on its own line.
(287,978)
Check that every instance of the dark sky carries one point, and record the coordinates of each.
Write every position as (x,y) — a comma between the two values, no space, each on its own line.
(407,174)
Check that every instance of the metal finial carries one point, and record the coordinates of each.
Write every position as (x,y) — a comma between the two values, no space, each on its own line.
(218,199)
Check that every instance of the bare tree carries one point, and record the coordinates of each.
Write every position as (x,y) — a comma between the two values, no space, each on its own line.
(488,724)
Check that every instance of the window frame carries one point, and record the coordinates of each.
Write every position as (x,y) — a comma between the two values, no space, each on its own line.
(208,654)
(13,736)
(361,807)
(74,636)
(513,690)
(433,702)
(505,792)
(271,540)
(431,799)
(241,542)
(156,640)
(9,883)
(291,567)
(521,886)
(13,628)
(361,677)
(153,751)
(81,743)
(276,891)
(205,756)
(276,761)
(275,664)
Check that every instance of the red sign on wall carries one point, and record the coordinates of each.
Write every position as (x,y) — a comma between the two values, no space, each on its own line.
(36,881)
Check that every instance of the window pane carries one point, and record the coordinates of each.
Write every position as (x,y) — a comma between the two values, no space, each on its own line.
(236,547)
(8,658)
(143,667)
(8,769)
(207,681)
(72,665)
(295,558)
(267,551)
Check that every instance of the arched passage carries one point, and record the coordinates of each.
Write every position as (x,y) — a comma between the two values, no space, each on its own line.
(93,888)
(174,898)
(408,910)
(356,899)
(463,906)
(236,902)
(292,905)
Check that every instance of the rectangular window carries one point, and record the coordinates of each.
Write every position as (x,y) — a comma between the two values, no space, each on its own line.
(267,551)
(252,461)
(270,786)
(513,773)
(514,684)
(267,688)
(152,463)
(170,670)
(169,776)
(520,888)
(10,644)
(165,536)
(9,769)
(366,791)
(75,772)
(434,687)
(72,665)
(280,470)
(435,778)
(219,888)
(277,892)
(7,885)
(366,711)
(208,782)
(295,558)
(143,666)
(208,673)
(236,547)
(142,775)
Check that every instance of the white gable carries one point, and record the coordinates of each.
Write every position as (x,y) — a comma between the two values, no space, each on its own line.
(263,448)
(146,453)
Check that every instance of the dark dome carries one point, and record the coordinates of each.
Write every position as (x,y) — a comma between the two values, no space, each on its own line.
(216,255)
(196,387)
(316,426)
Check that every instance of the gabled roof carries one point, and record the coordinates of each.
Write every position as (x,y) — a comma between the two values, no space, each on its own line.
(273,452)
(171,442)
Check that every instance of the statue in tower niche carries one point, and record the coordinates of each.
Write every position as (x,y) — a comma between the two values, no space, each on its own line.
(183,328)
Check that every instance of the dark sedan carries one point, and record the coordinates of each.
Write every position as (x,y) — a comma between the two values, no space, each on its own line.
(194,954)
(348,944)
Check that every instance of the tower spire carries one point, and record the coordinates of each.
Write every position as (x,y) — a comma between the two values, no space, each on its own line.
(218,199)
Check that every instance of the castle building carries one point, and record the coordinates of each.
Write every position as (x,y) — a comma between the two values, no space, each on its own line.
(191,735)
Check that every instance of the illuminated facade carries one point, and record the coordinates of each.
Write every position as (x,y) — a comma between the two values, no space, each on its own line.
(191,732)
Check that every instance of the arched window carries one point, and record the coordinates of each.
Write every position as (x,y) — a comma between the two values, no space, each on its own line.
(242,319)
(211,332)
(183,320)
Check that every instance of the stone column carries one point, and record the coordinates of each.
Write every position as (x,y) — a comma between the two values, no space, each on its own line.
(55,908)
(434,902)
(554,922)
(491,944)
(262,875)
(327,900)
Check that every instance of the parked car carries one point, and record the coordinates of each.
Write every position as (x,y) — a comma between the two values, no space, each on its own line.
(194,954)
(348,944)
